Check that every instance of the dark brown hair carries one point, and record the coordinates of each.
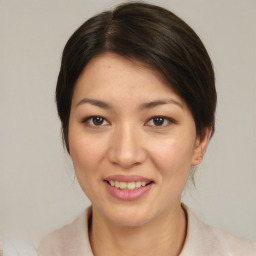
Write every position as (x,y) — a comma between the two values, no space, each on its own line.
(154,36)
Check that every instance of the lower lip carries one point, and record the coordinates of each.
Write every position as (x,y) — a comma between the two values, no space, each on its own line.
(128,195)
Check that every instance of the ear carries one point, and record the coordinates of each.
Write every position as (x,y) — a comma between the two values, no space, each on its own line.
(201,146)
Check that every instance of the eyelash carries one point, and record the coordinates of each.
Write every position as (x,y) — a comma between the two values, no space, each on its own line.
(90,119)
(165,119)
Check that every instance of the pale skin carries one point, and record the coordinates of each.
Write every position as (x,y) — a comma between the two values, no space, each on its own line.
(126,139)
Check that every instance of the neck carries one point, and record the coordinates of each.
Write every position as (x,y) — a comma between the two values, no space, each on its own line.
(165,235)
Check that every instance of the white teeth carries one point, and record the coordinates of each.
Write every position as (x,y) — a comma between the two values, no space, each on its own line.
(127,185)
(138,184)
(131,185)
(122,185)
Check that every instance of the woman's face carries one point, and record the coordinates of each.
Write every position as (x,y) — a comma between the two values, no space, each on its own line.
(132,140)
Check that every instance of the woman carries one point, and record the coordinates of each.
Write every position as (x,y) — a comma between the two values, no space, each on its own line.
(136,98)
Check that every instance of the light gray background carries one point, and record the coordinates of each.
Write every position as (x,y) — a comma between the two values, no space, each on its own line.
(38,190)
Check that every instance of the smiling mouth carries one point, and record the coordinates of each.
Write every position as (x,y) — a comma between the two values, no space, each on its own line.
(128,185)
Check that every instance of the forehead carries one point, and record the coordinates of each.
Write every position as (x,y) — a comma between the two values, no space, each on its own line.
(113,77)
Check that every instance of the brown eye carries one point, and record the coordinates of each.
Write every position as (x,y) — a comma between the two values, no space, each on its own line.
(95,121)
(159,121)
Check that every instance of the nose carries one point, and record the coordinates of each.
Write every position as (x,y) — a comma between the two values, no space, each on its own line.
(126,147)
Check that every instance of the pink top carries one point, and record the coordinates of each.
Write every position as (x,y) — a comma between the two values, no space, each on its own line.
(201,240)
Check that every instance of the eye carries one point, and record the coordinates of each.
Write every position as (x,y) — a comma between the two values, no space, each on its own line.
(159,121)
(95,121)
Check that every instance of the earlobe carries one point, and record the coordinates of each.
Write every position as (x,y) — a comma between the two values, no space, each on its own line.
(201,146)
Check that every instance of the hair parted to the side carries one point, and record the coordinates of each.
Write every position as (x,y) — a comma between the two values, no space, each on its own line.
(154,36)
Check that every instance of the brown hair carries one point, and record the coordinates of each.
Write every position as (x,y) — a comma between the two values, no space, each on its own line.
(154,36)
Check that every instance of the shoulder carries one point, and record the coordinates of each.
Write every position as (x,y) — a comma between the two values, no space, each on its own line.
(233,245)
(203,239)
(72,239)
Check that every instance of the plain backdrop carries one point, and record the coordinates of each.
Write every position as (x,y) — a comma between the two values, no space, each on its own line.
(38,190)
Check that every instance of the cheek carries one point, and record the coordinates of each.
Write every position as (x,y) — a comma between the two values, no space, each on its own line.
(173,163)
(86,154)
(172,158)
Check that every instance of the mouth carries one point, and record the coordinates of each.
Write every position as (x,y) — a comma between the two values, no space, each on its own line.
(128,185)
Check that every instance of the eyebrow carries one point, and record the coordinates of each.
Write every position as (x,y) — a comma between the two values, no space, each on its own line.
(152,104)
(155,103)
(94,102)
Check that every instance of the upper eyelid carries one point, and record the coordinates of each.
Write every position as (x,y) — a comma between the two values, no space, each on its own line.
(164,117)
(90,117)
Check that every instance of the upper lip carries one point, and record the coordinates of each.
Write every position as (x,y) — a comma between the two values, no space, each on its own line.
(127,178)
